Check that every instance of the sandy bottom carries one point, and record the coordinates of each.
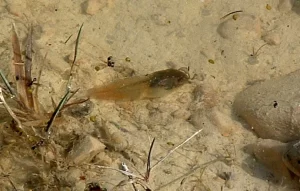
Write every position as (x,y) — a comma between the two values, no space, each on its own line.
(144,37)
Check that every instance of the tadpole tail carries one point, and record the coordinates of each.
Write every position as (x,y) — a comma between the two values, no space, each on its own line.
(127,89)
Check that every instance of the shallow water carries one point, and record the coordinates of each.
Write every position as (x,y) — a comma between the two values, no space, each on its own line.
(144,37)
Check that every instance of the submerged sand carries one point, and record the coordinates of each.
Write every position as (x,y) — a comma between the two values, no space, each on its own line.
(144,37)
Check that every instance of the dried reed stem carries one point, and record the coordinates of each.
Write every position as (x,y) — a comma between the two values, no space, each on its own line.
(18,66)
(27,66)
(12,114)
(171,151)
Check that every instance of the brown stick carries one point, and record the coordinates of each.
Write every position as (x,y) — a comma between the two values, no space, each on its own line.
(28,64)
(19,69)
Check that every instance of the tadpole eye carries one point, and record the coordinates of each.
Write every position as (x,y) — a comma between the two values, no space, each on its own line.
(185,70)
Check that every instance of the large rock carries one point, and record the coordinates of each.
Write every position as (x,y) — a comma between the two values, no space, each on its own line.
(272,108)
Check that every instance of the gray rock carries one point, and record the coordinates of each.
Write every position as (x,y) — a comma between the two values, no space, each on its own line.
(272,108)
(285,5)
(269,152)
(85,150)
(281,158)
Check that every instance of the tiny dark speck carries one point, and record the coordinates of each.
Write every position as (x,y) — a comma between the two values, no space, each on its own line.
(275,104)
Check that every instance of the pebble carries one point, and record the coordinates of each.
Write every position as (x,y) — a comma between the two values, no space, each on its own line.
(103,159)
(82,109)
(85,150)
(285,5)
(118,141)
(245,27)
(181,114)
(92,7)
(16,7)
(272,39)
(269,152)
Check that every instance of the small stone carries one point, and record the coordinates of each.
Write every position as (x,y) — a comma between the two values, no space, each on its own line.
(291,158)
(246,26)
(181,114)
(118,142)
(103,159)
(229,184)
(285,5)
(272,39)
(211,61)
(81,110)
(92,7)
(16,7)
(269,152)
(85,150)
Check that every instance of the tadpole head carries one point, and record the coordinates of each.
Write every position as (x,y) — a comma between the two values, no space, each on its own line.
(168,79)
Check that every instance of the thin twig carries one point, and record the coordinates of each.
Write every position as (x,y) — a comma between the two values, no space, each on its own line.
(256,53)
(133,179)
(192,171)
(75,103)
(11,183)
(231,14)
(125,168)
(12,114)
(73,93)
(74,60)
(171,151)
(68,38)
(149,161)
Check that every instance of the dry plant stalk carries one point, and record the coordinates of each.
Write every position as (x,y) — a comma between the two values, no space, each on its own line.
(168,154)
(22,70)
(12,114)
(27,114)
(19,72)
(142,180)
(28,64)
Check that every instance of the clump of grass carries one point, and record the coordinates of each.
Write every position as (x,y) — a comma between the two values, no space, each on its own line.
(143,180)
(31,122)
